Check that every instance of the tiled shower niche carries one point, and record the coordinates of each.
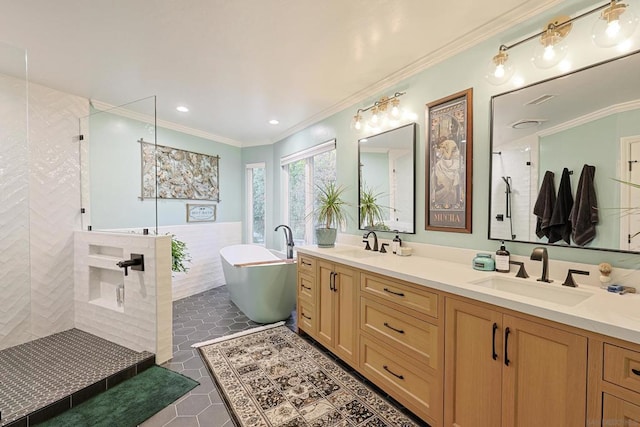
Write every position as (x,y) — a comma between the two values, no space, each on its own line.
(106,279)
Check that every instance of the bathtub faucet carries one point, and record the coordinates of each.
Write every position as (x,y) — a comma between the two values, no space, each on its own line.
(289,236)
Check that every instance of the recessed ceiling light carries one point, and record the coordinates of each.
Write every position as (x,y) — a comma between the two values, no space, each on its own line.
(182,109)
(273,122)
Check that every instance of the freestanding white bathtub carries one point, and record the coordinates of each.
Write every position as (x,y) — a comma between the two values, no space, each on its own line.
(261,282)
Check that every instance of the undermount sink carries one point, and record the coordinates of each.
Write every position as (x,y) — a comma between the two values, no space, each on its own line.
(554,293)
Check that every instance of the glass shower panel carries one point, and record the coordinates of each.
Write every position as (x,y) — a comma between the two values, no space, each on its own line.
(15,278)
(117,160)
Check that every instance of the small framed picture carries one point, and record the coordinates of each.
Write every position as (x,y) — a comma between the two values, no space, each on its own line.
(201,213)
(449,152)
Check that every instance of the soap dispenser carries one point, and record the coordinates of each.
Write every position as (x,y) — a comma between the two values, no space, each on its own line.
(502,259)
(396,243)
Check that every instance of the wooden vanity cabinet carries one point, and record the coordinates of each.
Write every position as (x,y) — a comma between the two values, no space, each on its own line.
(503,370)
(327,305)
(401,340)
(618,383)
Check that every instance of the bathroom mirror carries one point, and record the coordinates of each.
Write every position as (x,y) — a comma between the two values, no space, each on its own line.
(387,180)
(588,117)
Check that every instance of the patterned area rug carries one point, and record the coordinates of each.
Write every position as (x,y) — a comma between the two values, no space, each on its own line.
(273,377)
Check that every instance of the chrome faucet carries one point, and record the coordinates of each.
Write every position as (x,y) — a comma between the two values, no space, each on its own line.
(540,254)
(375,240)
(288,235)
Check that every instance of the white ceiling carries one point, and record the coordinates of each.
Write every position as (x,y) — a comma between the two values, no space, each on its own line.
(239,63)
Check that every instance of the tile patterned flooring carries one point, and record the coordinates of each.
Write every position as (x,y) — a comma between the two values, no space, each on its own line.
(198,318)
(70,363)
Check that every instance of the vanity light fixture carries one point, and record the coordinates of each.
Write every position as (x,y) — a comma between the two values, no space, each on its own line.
(613,27)
(552,47)
(385,112)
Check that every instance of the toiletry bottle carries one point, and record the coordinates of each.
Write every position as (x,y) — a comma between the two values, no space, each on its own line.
(396,243)
(502,259)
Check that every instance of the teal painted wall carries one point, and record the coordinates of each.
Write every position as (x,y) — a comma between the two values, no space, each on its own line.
(462,71)
(115,174)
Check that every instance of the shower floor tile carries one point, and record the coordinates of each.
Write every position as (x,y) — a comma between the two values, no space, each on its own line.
(41,372)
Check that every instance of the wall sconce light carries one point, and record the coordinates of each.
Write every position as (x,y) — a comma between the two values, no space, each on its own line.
(615,25)
(552,48)
(385,113)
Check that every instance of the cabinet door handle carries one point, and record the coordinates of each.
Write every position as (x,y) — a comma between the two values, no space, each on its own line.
(493,347)
(331,282)
(392,373)
(400,294)
(305,316)
(636,371)
(306,287)
(400,331)
(335,288)
(506,346)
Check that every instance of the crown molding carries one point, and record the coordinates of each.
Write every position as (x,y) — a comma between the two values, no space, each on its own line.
(145,118)
(595,115)
(496,26)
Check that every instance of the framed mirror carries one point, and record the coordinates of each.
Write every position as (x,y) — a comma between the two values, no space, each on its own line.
(558,151)
(387,180)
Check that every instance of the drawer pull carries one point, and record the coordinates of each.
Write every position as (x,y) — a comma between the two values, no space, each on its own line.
(636,371)
(308,264)
(392,373)
(494,354)
(306,317)
(506,346)
(400,294)
(308,288)
(400,331)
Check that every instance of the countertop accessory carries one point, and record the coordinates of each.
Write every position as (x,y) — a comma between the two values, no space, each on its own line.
(502,259)
(615,288)
(605,272)
(627,290)
(522,273)
(404,251)
(483,262)
(569,279)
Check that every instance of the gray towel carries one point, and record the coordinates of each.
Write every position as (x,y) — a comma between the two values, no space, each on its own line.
(560,224)
(584,215)
(545,202)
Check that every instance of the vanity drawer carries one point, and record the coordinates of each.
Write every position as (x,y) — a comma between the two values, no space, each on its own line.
(419,300)
(306,317)
(406,382)
(409,335)
(622,367)
(306,264)
(307,288)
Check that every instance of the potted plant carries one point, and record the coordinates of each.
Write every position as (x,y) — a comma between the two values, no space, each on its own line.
(179,255)
(371,213)
(330,211)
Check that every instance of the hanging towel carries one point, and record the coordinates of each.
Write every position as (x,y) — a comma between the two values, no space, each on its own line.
(560,224)
(543,208)
(584,215)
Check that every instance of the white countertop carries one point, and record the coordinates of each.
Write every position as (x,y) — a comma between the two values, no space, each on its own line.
(604,312)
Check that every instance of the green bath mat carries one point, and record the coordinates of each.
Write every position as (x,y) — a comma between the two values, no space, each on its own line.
(128,403)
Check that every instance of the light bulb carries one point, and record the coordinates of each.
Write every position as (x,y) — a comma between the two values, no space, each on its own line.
(616,25)
(374,118)
(499,69)
(549,53)
(395,112)
(613,28)
(358,125)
